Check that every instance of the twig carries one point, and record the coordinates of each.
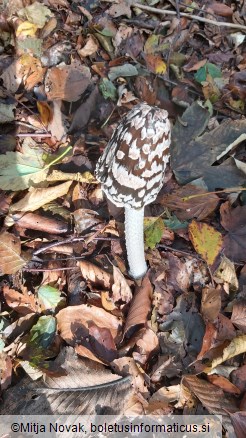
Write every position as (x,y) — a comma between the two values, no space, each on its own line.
(34,134)
(231,190)
(190,16)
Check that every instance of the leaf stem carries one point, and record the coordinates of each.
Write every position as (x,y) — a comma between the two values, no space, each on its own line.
(231,190)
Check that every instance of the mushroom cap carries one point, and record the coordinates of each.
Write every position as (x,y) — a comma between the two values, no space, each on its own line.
(131,168)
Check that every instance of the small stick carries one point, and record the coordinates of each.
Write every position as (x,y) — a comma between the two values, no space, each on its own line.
(34,134)
(190,16)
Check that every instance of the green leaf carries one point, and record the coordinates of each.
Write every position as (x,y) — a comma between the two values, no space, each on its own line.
(49,296)
(42,334)
(19,170)
(211,69)
(173,223)
(122,70)
(153,230)
(108,89)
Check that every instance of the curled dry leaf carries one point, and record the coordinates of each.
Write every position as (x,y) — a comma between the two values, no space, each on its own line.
(146,345)
(121,291)
(236,346)
(37,222)
(95,275)
(226,273)
(73,322)
(139,308)
(10,249)
(90,47)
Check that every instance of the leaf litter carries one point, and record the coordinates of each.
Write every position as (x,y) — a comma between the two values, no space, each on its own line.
(176,341)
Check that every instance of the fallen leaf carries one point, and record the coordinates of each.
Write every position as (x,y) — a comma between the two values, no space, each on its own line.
(224,384)
(26,29)
(22,303)
(73,322)
(67,82)
(226,273)
(95,275)
(236,346)
(50,297)
(238,317)
(19,170)
(91,47)
(153,231)
(10,249)
(121,291)
(139,308)
(36,13)
(206,241)
(211,303)
(212,398)
(36,198)
(186,203)
(234,221)
(155,64)
(45,112)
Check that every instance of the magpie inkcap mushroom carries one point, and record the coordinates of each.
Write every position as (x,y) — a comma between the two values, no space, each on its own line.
(131,171)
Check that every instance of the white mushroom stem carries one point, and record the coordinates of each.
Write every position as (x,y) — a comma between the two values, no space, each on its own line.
(134,235)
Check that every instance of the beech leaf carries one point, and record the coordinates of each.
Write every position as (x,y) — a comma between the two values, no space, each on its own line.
(206,241)
(10,249)
(36,198)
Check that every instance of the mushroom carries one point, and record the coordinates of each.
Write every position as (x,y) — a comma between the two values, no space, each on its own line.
(131,171)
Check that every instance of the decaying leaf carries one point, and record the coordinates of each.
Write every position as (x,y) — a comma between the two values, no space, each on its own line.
(233,220)
(206,240)
(211,303)
(73,322)
(139,309)
(236,346)
(95,275)
(10,249)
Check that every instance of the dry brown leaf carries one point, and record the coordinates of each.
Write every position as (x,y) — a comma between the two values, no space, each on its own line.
(238,420)
(127,366)
(37,222)
(212,398)
(224,384)
(238,317)
(121,290)
(197,207)
(220,9)
(238,377)
(139,308)
(73,322)
(90,47)
(102,343)
(10,249)
(95,275)
(146,345)
(211,303)
(233,220)
(36,198)
(236,346)
(67,82)
(226,273)
(22,303)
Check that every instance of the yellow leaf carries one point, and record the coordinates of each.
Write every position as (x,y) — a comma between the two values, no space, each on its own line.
(236,346)
(155,64)
(45,112)
(206,241)
(26,29)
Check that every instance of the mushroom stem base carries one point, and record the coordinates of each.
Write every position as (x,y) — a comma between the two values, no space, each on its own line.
(134,234)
